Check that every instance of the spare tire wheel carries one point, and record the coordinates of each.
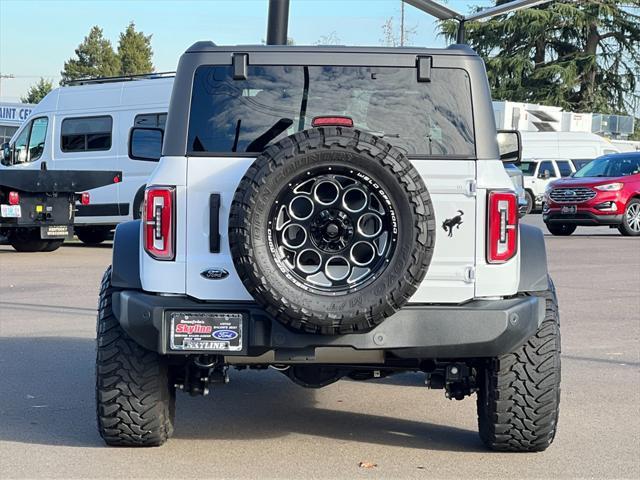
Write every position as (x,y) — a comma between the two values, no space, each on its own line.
(331,230)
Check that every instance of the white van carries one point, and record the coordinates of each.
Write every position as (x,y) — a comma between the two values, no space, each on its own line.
(89,127)
(572,145)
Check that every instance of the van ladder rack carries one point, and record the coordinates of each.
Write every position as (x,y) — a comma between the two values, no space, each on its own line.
(122,78)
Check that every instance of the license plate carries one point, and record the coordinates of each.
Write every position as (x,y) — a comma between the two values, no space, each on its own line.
(10,211)
(54,231)
(569,209)
(220,332)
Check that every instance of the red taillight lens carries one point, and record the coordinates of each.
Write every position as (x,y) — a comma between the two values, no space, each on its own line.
(159,222)
(14,198)
(85,198)
(502,226)
(335,121)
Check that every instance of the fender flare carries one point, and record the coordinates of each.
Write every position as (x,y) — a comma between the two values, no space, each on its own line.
(126,256)
(534,276)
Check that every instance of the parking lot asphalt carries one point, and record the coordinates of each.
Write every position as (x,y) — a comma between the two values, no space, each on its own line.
(261,425)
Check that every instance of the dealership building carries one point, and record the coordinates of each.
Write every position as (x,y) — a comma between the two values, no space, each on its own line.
(12,115)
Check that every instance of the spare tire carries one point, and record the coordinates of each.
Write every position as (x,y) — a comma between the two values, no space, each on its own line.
(331,230)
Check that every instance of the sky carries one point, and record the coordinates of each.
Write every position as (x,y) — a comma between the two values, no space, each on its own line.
(38,36)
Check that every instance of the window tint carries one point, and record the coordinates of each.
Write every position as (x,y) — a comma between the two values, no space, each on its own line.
(420,118)
(547,165)
(86,134)
(152,120)
(564,167)
(37,138)
(528,168)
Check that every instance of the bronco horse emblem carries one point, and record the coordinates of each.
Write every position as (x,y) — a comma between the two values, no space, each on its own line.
(449,223)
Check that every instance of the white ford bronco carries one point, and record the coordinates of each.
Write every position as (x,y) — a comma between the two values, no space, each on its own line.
(330,212)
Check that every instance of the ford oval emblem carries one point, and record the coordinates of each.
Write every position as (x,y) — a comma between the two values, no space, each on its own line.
(215,273)
(225,334)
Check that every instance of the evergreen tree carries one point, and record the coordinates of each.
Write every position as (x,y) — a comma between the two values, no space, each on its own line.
(37,91)
(94,58)
(582,55)
(134,51)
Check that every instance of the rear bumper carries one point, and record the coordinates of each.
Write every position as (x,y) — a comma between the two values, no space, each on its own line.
(583,218)
(480,328)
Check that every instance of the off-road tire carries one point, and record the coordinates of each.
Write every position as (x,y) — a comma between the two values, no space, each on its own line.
(92,235)
(331,148)
(135,398)
(561,229)
(625,228)
(519,393)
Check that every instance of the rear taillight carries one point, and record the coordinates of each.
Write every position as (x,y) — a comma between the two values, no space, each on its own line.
(85,198)
(502,226)
(159,222)
(14,198)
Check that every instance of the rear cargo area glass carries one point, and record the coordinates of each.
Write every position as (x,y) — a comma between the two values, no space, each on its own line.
(244,116)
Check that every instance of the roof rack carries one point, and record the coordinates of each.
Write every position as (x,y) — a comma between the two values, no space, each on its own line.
(122,78)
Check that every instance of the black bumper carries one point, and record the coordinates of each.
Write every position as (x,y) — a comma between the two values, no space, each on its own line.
(582,218)
(479,328)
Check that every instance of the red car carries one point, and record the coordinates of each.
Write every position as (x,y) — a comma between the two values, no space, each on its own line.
(606,191)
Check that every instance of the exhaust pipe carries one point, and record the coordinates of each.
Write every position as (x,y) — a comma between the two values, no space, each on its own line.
(278,23)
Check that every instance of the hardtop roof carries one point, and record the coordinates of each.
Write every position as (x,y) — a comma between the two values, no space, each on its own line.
(208,46)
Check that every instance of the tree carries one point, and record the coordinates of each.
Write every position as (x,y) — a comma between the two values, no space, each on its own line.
(330,39)
(37,91)
(134,52)
(94,58)
(581,55)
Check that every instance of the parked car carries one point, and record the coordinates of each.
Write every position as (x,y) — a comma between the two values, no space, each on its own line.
(604,192)
(87,127)
(332,212)
(540,172)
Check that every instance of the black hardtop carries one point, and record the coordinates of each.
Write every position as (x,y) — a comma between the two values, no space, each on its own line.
(209,46)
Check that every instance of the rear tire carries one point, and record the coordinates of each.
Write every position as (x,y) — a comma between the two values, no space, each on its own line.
(53,245)
(135,397)
(519,394)
(561,229)
(27,241)
(92,235)
(630,226)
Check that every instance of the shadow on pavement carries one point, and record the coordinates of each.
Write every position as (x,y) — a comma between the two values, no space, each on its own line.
(48,398)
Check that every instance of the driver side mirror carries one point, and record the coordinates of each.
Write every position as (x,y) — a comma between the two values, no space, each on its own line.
(145,144)
(510,146)
(6,153)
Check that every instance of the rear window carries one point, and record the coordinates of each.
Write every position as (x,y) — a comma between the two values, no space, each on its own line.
(244,116)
